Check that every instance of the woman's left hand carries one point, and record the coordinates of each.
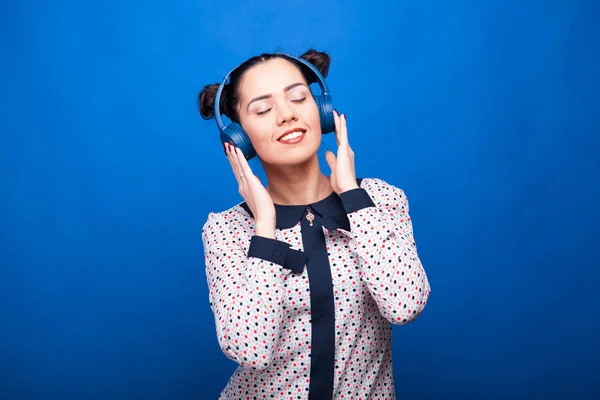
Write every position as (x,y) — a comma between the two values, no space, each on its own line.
(343,174)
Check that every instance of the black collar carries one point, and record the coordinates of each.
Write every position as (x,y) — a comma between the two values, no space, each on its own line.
(329,212)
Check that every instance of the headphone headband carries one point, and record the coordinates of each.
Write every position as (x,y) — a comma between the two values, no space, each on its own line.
(217,105)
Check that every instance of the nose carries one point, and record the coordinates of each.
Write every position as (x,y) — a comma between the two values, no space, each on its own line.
(286,114)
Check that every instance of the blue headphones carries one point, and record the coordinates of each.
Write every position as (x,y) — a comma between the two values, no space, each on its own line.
(234,133)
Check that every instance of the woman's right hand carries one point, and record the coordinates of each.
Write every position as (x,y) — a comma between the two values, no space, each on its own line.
(254,193)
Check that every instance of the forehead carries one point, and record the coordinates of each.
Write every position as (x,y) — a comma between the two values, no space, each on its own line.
(269,77)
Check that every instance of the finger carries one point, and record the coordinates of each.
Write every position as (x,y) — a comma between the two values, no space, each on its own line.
(331,160)
(243,163)
(343,130)
(336,120)
(244,178)
(236,161)
(232,162)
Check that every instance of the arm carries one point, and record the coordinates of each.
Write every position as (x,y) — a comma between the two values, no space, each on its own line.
(381,235)
(245,290)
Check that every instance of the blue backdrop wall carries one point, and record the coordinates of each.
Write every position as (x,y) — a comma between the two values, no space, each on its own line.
(485,112)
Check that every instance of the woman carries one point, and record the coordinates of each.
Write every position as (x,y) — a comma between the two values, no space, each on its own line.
(308,274)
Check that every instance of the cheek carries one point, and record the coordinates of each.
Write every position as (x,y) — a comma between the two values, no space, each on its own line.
(257,129)
(312,115)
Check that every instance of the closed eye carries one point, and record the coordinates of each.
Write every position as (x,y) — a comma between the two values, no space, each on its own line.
(293,101)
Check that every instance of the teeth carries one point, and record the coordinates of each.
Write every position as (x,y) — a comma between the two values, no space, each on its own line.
(291,136)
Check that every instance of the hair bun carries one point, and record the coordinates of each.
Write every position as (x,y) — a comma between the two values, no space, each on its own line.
(319,59)
(206,101)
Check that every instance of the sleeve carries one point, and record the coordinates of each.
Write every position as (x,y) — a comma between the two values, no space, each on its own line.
(381,234)
(246,290)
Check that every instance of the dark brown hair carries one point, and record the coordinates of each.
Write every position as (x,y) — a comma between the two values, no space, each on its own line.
(230,96)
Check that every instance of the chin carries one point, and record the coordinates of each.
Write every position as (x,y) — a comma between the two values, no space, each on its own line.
(294,155)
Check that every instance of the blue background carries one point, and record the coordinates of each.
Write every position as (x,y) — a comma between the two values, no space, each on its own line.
(485,112)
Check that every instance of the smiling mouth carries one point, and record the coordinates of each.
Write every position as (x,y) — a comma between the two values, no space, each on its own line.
(292,137)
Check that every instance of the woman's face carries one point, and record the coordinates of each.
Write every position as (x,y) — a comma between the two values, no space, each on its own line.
(279,114)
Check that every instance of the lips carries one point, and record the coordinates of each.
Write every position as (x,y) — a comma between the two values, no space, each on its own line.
(293,138)
(290,131)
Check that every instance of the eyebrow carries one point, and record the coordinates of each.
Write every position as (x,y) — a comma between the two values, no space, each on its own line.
(267,96)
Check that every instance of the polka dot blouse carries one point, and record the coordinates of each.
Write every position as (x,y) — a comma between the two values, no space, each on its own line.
(309,314)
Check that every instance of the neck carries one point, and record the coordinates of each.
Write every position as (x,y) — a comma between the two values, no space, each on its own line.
(297,184)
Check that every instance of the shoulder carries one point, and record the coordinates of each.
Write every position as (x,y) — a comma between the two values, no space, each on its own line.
(231,219)
(378,187)
(384,193)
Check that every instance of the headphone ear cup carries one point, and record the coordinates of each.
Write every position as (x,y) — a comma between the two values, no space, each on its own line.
(325,106)
(235,135)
